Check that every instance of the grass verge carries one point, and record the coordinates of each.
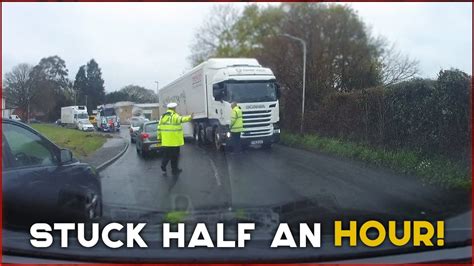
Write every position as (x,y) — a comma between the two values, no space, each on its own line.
(80,143)
(435,170)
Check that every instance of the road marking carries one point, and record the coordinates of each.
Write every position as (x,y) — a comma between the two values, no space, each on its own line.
(216,174)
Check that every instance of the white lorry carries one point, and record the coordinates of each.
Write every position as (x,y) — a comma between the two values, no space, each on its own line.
(72,115)
(208,91)
(107,119)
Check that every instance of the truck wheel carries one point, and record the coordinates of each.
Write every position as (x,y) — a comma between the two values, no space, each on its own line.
(217,142)
(202,136)
(196,133)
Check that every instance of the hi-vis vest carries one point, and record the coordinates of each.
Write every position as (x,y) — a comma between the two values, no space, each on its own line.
(170,129)
(236,122)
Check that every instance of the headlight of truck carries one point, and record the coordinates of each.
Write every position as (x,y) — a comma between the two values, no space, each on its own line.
(276,128)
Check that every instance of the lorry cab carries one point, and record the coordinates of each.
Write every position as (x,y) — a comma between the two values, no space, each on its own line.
(256,92)
(208,91)
(107,119)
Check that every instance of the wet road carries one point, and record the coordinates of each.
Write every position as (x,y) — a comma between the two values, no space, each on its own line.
(270,178)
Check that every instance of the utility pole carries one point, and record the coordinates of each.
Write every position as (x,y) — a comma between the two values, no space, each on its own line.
(303,43)
(86,100)
(28,104)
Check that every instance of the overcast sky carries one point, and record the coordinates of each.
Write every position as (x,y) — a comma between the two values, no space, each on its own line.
(140,43)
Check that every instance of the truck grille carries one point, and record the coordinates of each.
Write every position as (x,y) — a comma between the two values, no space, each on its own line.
(257,123)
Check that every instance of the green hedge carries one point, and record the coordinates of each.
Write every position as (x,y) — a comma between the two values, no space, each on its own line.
(424,116)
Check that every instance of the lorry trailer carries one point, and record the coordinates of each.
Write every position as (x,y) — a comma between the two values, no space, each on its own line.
(208,91)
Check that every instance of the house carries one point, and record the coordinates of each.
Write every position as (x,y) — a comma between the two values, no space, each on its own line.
(7,110)
(148,110)
(125,110)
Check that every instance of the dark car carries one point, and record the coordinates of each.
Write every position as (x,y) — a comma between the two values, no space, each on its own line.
(147,141)
(44,182)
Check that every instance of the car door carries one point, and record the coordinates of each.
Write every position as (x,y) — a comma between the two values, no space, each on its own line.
(8,176)
(30,183)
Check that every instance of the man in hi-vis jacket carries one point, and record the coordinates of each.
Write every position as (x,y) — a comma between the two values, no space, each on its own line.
(236,127)
(170,132)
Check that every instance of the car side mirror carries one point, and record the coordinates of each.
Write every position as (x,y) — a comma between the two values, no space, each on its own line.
(65,156)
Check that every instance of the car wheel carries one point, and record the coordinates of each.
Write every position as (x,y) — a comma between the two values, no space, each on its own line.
(140,151)
(143,153)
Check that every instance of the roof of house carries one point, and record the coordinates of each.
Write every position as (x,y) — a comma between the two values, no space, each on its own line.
(147,105)
(124,103)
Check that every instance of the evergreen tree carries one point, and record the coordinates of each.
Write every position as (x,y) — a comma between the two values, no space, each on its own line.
(80,86)
(89,86)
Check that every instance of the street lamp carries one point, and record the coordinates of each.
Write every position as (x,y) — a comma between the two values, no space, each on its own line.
(304,74)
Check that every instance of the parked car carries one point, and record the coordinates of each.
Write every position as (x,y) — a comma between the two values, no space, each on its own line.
(42,181)
(135,123)
(147,142)
(15,117)
(85,125)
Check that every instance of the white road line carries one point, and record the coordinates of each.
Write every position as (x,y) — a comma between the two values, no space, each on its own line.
(216,173)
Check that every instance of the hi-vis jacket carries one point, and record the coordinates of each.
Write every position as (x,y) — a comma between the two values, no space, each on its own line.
(236,122)
(170,129)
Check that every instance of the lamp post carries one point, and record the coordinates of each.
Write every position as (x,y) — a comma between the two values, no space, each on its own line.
(303,43)
(157,86)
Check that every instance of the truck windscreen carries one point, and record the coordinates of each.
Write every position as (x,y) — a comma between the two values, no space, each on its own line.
(248,92)
(109,112)
(83,116)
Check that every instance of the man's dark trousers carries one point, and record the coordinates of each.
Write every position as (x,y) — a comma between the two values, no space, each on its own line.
(170,154)
(236,147)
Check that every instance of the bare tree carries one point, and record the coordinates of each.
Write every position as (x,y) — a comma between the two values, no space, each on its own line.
(18,89)
(215,32)
(395,66)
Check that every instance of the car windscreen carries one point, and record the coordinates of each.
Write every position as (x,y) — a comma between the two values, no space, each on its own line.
(136,123)
(151,127)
